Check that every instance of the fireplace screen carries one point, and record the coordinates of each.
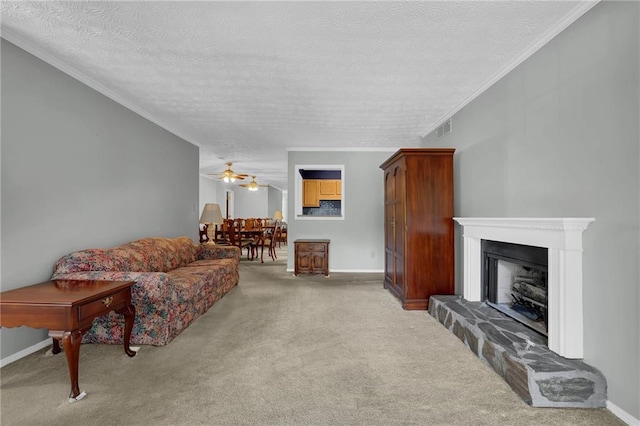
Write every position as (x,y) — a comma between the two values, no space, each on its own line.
(515,282)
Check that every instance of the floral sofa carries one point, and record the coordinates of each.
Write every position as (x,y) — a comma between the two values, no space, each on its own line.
(176,282)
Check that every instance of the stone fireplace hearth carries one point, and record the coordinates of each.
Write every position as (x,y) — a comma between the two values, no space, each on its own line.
(520,356)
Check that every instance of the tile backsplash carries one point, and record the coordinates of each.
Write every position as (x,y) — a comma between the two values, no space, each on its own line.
(327,208)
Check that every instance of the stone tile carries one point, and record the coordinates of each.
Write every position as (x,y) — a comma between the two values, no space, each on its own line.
(566,390)
(472,340)
(491,356)
(458,330)
(516,376)
(538,375)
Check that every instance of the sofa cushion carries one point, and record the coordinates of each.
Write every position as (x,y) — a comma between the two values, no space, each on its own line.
(159,254)
(212,262)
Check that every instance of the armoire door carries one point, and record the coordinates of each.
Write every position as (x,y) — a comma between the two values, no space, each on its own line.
(399,226)
(389,232)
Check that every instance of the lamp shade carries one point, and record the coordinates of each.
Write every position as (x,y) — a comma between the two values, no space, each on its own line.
(277,215)
(211,214)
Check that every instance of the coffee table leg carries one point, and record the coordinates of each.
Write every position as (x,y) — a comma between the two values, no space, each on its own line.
(129,313)
(71,343)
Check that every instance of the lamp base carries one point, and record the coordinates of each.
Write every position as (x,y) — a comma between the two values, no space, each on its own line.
(211,234)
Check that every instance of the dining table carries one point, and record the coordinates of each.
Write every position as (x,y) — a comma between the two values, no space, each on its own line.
(258,235)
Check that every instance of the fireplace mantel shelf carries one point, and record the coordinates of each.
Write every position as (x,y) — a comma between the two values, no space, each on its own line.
(563,238)
(547,223)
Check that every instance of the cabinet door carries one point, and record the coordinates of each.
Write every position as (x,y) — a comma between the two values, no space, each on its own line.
(327,188)
(303,261)
(389,232)
(310,193)
(394,226)
(318,262)
(330,189)
(398,208)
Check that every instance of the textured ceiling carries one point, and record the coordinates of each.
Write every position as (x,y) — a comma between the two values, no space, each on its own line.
(245,81)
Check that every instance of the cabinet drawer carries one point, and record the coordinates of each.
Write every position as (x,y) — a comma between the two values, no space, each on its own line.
(102,306)
(311,247)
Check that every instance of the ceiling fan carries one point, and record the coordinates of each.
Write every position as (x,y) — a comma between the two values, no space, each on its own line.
(253,185)
(229,175)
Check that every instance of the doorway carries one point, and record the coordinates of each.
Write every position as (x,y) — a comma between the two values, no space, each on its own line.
(228,203)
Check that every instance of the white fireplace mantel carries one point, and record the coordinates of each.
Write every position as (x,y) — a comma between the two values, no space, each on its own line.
(563,239)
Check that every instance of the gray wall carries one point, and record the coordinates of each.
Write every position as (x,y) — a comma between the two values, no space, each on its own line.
(208,193)
(250,203)
(274,201)
(357,243)
(559,137)
(79,171)
(261,203)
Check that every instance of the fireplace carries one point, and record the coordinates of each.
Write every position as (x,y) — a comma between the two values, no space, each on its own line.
(562,237)
(514,281)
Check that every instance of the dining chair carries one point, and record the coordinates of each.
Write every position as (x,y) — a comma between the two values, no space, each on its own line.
(270,239)
(282,234)
(234,237)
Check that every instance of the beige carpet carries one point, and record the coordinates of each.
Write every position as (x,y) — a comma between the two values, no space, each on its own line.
(281,350)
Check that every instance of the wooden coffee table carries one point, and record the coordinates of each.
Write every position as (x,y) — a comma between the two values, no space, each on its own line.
(67,308)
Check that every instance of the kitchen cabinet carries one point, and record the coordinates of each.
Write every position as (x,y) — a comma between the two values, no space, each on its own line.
(314,190)
(418,221)
(330,189)
(310,193)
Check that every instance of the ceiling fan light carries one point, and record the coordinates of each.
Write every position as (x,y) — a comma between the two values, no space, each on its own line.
(232,179)
(253,188)
(226,179)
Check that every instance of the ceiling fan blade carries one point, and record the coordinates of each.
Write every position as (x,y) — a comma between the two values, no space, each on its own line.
(228,174)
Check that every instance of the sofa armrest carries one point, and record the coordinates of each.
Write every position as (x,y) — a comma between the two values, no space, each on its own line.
(211,251)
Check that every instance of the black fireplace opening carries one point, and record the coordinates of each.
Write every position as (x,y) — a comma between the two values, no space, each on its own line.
(514,281)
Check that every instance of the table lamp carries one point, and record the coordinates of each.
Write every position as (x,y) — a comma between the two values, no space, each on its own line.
(211,216)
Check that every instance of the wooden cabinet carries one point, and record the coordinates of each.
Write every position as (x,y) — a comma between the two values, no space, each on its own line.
(314,190)
(311,257)
(418,221)
(310,193)
(330,189)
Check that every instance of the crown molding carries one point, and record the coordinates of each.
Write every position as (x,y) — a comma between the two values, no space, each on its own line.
(568,19)
(66,68)
(343,149)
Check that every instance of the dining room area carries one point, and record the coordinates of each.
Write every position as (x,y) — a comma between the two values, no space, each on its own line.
(254,236)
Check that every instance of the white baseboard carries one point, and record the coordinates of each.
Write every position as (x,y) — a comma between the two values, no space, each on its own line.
(622,415)
(355,271)
(27,351)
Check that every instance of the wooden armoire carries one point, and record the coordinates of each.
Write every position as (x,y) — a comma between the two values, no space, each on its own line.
(418,221)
